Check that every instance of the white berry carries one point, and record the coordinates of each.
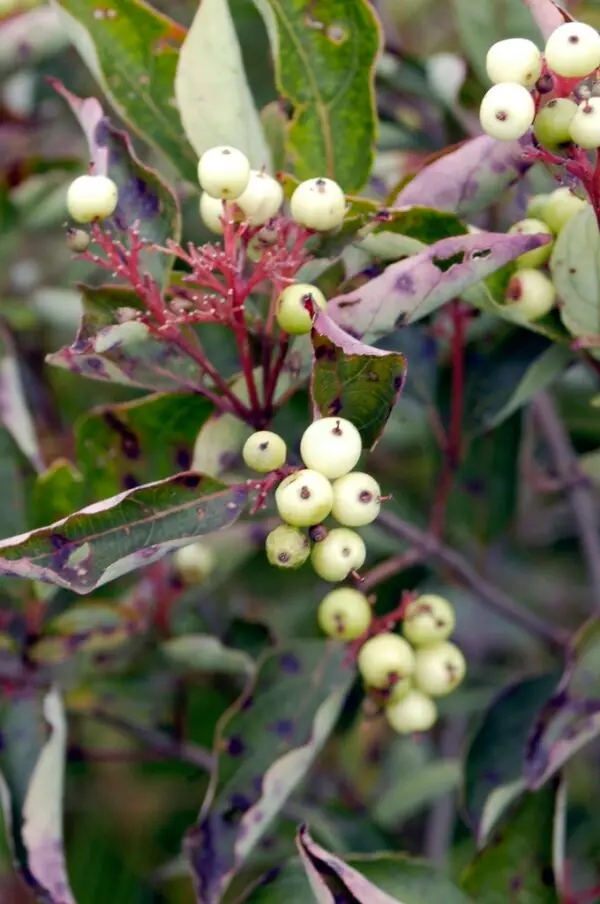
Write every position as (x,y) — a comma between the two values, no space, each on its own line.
(318,204)
(429,619)
(92,198)
(344,613)
(537,256)
(304,498)
(224,172)
(292,313)
(261,199)
(415,712)
(573,49)
(356,499)
(530,294)
(332,446)
(341,552)
(514,60)
(535,207)
(584,128)
(552,124)
(211,212)
(560,207)
(507,111)
(384,660)
(264,451)
(439,669)
(194,563)
(287,547)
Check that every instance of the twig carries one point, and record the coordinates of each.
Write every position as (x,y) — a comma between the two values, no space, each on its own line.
(462,569)
(440,822)
(390,568)
(577,487)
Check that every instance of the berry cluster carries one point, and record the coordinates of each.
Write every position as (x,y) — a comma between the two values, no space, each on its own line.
(522,77)
(224,174)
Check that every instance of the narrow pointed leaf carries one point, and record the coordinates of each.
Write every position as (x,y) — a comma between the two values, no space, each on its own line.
(14,411)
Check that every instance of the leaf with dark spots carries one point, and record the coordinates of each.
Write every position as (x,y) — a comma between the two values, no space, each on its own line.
(571,717)
(144,198)
(354,380)
(252,784)
(137,442)
(117,535)
(415,287)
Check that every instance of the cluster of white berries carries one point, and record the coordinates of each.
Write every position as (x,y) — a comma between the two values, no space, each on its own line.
(92,198)
(224,174)
(530,292)
(515,66)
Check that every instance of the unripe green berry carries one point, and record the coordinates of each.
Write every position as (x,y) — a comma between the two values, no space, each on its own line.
(584,128)
(264,451)
(356,499)
(538,256)
(78,240)
(507,111)
(535,206)
(194,563)
(287,547)
(211,212)
(292,313)
(551,125)
(439,669)
(341,552)
(344,613)
(530,295)
(429,619)
(224,172)
(332,446)
(304,498)
(416,712)
(573,49)
(318,204)
(261,199)
(561,206)
(384,660)
(514,60)
(92,198)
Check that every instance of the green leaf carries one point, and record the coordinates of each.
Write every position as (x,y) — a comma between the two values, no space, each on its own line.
(325,65)
(123,446)
(88,628)
(411,792)
(212,90)
(357,381)
(577,283)
(205,653)
(115,536)
(13,512)
(517,863)
(132,51)
(14,412)
(265,746)
(57,492)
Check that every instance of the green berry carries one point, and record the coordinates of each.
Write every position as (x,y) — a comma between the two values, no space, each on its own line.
(415,712)
(292,313)
(78,240)
(584,128)
(439,669)
(538,256)
(573,49)
(261,199)
(224,172)
(304,498)
(212,210)
(507,111)
(194,563)
(384,660)
(530,295)
(331,445)
(287,547)
(551,125)
(561,206)
(264,451)
(356,499)
(429,619)
(344,613)
(341,552)
(318,204)
(535,206)
(514,60)
(92,198)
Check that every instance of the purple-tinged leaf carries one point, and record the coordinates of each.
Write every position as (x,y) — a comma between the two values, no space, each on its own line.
(264,747)
(144,198)
(356,381)
(14,413)
(412,288)
(571,717)
(321,867)
(117,535)
(548,16)
(469,179)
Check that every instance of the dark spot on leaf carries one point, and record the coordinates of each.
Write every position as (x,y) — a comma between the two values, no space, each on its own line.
(235,746)
(349,303)
(335,407)
(290,663)
(445,263)
(547,876)
(481,254)
(267,842)
(320,352)
(101,133)
(58,540)
(238,805)
(189,481)
(130,445)
(516,883)
(95,363)
(572,270)
(183,459)
(271,875)
(283,727)
(406,284)
(130,482)
(398,381)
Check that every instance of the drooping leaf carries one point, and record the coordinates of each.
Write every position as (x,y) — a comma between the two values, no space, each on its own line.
(265,746)
(32,756)
(205,653)
(14,411)
(494,765)
(212,91)
(468,179)
(517,862)
(57,492)
(110,538)
(413,288)
(571,717)
(132,51)
(359,382)
(325,66)
(577,283)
